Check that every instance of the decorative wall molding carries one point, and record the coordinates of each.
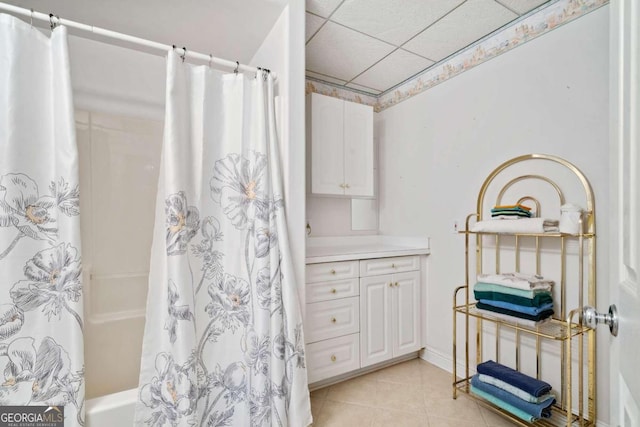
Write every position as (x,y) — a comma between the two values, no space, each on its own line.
(527,28)
(314,86)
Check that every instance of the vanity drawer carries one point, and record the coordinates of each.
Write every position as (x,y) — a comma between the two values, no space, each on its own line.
(325,291)
(378,266)
(330,319)
(326,359)
(327,271)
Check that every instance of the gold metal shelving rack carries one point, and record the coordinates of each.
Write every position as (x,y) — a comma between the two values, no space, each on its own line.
(564,328)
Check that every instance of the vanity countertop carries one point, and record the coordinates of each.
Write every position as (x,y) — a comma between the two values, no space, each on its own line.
(330,249)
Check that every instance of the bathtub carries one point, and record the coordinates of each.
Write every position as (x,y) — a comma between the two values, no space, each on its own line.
(112,410)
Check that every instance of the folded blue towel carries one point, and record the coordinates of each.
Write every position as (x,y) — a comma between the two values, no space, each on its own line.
(536,318)
(515,390)
(538,410)
(500,404)
(513,377)
(533,311)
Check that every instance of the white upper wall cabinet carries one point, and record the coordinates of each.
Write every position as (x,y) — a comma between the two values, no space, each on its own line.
(341,139)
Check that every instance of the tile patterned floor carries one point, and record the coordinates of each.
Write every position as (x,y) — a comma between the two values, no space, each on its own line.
(413,393)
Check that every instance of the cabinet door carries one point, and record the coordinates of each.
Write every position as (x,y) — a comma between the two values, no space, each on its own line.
(327,150)
(358,149)
(375,320)
(406,313)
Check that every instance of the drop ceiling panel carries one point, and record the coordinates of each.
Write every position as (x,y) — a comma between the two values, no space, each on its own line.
(522,6)
(323,8)
(313,23)
(468,23)
(394,21)
(393,69)
(343,53)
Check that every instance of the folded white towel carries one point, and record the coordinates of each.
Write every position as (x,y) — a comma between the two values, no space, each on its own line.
(522,225)
(517,280)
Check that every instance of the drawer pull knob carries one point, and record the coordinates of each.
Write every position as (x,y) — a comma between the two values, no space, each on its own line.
(333,358)
(333,320)
(333,271)
(333,290)
(393,266)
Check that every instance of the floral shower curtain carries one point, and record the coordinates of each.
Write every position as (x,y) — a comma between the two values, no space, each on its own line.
(41,345)
(223,342)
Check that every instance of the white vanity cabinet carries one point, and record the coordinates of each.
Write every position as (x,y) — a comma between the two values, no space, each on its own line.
(341,147)
(361,312)
(389,308)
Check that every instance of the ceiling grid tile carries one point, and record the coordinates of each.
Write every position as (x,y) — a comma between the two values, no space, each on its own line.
(395,68)
(322,8)
(393,21)
(343,53)
(521,6)
(468,23)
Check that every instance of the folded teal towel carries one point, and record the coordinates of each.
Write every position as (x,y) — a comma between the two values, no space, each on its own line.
(490,287)
(532,311)
(536,301)
(505,212)
(510,209)
(504,405)
(538,410)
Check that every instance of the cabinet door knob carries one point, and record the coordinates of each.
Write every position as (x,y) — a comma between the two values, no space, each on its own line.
(391,284)
(342,186)
(347,185)
(333,320)
(333,358)
(397,284)
(332,271)
(333,290)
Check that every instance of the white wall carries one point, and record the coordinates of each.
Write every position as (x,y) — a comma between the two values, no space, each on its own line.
(283,53)
(112,79)
(435,149)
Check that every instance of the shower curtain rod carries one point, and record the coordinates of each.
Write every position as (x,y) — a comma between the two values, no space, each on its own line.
(55,20)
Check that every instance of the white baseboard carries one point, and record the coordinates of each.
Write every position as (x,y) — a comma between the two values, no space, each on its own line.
(443,361)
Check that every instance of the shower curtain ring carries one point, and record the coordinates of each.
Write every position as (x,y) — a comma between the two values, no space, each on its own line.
(237,67)
(184,54)
(51,23)
(31,18)
(210,60)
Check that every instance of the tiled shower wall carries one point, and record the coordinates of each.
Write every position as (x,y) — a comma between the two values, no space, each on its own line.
(119,165)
